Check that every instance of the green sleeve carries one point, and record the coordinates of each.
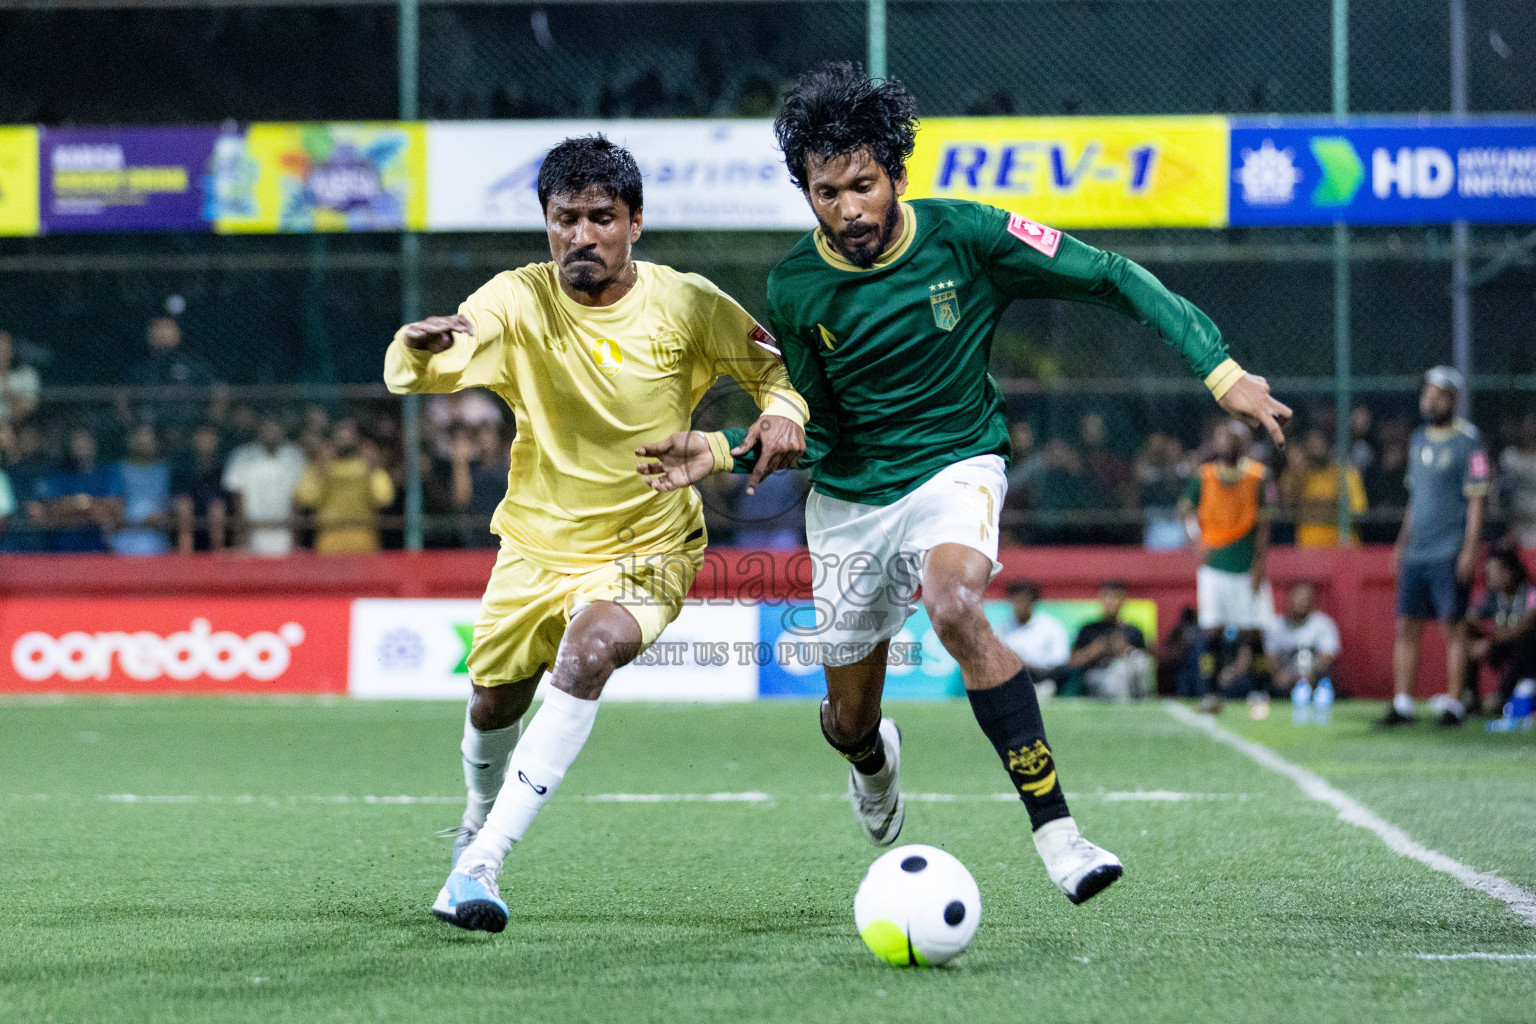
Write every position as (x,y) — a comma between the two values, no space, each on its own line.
(1078,272)
(1192,492)
(808,374)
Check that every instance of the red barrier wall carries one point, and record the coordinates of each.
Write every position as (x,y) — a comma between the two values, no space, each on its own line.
(1355,586)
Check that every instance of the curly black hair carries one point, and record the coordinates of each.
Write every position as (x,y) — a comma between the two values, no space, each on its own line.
(835,109)
(577,164)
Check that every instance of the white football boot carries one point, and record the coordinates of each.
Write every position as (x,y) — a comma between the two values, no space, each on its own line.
(471,900)
(1080,869)
(876,799)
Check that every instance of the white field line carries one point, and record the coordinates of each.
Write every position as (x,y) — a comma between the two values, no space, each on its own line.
(1111,796)
(1471,956)
(1351,811)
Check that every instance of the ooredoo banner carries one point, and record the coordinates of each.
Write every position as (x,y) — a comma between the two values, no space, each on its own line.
(174,646)
(482,175)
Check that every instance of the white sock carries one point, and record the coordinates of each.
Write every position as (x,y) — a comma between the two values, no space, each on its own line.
(485,753)
(546,752)
(1403,704)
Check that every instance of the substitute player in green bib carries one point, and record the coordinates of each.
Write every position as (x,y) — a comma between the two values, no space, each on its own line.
(885,315)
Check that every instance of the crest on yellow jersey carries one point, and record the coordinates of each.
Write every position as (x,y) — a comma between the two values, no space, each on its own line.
(608,356)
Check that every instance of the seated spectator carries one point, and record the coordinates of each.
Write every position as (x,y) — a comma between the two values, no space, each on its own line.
(1301,644)
(346,487)
(80,504)
(1517,482)
(261,478)
(146,488)
(1112,655)
(1506,623)
(481,460)
(1310,487)
(24,452)
(202,513)
(19,385)
(1040,641)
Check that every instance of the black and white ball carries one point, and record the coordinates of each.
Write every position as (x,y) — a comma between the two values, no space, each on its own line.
(917,907)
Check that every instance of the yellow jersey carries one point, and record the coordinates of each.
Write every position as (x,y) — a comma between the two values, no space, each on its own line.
(589,385)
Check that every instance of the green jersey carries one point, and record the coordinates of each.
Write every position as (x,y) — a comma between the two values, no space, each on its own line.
(892,359)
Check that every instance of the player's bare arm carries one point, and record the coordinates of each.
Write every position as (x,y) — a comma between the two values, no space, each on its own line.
(685,458)
(783,442)
(435,333)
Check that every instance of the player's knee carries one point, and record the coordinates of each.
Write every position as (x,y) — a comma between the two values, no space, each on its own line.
(957,616)
(496,707)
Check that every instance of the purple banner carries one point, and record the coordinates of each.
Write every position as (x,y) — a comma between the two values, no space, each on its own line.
(125,179)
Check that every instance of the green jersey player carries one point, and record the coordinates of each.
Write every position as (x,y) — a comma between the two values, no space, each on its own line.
(885,315)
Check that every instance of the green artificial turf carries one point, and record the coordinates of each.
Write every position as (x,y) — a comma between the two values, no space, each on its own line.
(1253,903)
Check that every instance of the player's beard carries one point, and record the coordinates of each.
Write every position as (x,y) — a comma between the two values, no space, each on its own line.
(585,271)
(865,255)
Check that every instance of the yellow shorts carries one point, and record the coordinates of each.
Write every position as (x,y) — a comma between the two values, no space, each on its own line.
(527,608)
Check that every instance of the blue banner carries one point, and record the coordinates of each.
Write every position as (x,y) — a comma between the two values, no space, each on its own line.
(1370,171)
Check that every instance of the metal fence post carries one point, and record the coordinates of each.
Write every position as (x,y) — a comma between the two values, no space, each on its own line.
(1343,390)
(409,27)
(1461,298)
(875,58)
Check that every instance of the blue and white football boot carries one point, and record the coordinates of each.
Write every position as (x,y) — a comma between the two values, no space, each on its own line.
(470,900)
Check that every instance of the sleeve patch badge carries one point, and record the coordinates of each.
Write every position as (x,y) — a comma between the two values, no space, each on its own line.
(766,341)
(1477,468)
(1036,236)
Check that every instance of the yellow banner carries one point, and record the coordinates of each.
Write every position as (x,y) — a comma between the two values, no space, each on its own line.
(19,202)
(323,177)
(1079,172)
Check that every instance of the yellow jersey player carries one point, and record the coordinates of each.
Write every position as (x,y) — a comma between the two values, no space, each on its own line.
(597,354)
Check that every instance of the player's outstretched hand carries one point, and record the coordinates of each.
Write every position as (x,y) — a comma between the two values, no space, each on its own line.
(783,442)
(435,333)
(682,460)
(1250,401)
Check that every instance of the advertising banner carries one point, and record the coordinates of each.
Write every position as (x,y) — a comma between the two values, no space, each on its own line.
(125,179)
(1079,172)
(698,174)
(18,180)
(418,649)
(917,666)
(177,645)
(1382,172)
(355,176)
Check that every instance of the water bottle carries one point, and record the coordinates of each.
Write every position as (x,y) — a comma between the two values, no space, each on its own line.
(1322,701)
(1522,705)
(1301,702)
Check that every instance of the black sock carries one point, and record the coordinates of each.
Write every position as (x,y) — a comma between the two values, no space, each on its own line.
(1010,716)
(866,754)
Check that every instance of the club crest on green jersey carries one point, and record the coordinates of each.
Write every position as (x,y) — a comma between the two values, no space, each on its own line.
(946,305)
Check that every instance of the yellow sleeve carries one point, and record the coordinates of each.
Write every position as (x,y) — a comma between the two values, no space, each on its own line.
(1356,490)
(472,361)
(735,343)
(381,487)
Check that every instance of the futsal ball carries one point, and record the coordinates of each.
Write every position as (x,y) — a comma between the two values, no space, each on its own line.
(917,907)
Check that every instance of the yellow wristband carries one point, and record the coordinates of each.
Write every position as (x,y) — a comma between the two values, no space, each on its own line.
(720,448)
(1221,379)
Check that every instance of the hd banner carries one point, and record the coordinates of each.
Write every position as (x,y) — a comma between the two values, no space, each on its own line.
(1079,172)
(1370,171)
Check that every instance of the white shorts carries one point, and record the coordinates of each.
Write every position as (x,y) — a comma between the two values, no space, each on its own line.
(1227,599)
(868,559)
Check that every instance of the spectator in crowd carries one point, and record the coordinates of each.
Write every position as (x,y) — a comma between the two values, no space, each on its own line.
(167,364)
(314,434)
(1310,488)
(1040,640)
(202,512)
(146,489)
(1517,481)
(1026,468)
(19,385)
(80,504)
(1436,551)
(7,497)
(1303,643)
(1112,655)
(346,487)
(1386,484)
(1064,488)
(472,408)
(481,460)
(24,452)
(1228,510)
(1178,669)
(1506,623)
(261,477)
(1107,468)
(1160,479)
(1362,454)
